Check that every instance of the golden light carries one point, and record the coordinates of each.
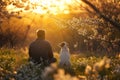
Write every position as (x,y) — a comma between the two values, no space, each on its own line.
(44,6)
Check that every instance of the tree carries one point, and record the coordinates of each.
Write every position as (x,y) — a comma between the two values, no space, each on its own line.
(9,35)
(108,10)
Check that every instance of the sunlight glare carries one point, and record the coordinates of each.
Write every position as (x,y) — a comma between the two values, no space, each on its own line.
(44,6)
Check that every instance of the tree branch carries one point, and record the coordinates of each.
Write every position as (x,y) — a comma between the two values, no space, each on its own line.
(107,19)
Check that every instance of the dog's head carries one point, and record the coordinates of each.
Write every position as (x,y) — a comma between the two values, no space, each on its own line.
(62,44)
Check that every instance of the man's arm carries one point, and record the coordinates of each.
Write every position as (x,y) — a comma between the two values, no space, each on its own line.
(29,51)
(50,52)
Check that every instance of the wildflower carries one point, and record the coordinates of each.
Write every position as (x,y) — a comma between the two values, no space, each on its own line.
(81,77)
(62,76)
(88,70)
(1,69)
(99,66)
(47,71)
(119,56)
(107,63)
(14,72)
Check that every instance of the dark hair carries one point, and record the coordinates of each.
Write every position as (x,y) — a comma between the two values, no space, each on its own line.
(41,34)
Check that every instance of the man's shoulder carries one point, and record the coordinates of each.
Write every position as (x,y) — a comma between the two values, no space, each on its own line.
(43,42)
(47,42)
(32,43)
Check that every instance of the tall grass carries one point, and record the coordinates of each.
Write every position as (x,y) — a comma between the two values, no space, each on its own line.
(14,65)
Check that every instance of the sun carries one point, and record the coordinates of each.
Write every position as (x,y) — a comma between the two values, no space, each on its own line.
(51,6)
(44,6)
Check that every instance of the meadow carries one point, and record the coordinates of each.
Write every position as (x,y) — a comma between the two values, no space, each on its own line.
(90,27)
(14,65)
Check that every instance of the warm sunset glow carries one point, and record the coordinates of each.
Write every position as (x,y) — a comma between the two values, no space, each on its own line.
(45,6)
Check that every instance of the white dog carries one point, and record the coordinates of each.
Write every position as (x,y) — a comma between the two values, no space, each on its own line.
(64,55)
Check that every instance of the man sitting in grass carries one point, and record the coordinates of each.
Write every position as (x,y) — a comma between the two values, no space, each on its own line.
(40,50)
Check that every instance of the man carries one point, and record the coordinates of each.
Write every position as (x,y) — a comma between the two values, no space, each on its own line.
(40,50)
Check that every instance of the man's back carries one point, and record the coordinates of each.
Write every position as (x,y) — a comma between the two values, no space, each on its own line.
(40,49)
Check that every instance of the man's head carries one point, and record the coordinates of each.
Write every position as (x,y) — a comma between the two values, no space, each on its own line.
(41,34)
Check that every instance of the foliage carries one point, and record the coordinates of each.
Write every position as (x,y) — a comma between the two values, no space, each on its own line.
(10,35)
(6,64)
(10,60)
(107,9)
(100,29)
(92,35)
(90,68)
(29,71)
(93,31)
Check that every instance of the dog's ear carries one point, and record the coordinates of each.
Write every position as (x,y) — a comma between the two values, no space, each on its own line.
(62,44)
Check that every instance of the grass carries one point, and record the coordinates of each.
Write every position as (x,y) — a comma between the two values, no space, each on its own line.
(15,62)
